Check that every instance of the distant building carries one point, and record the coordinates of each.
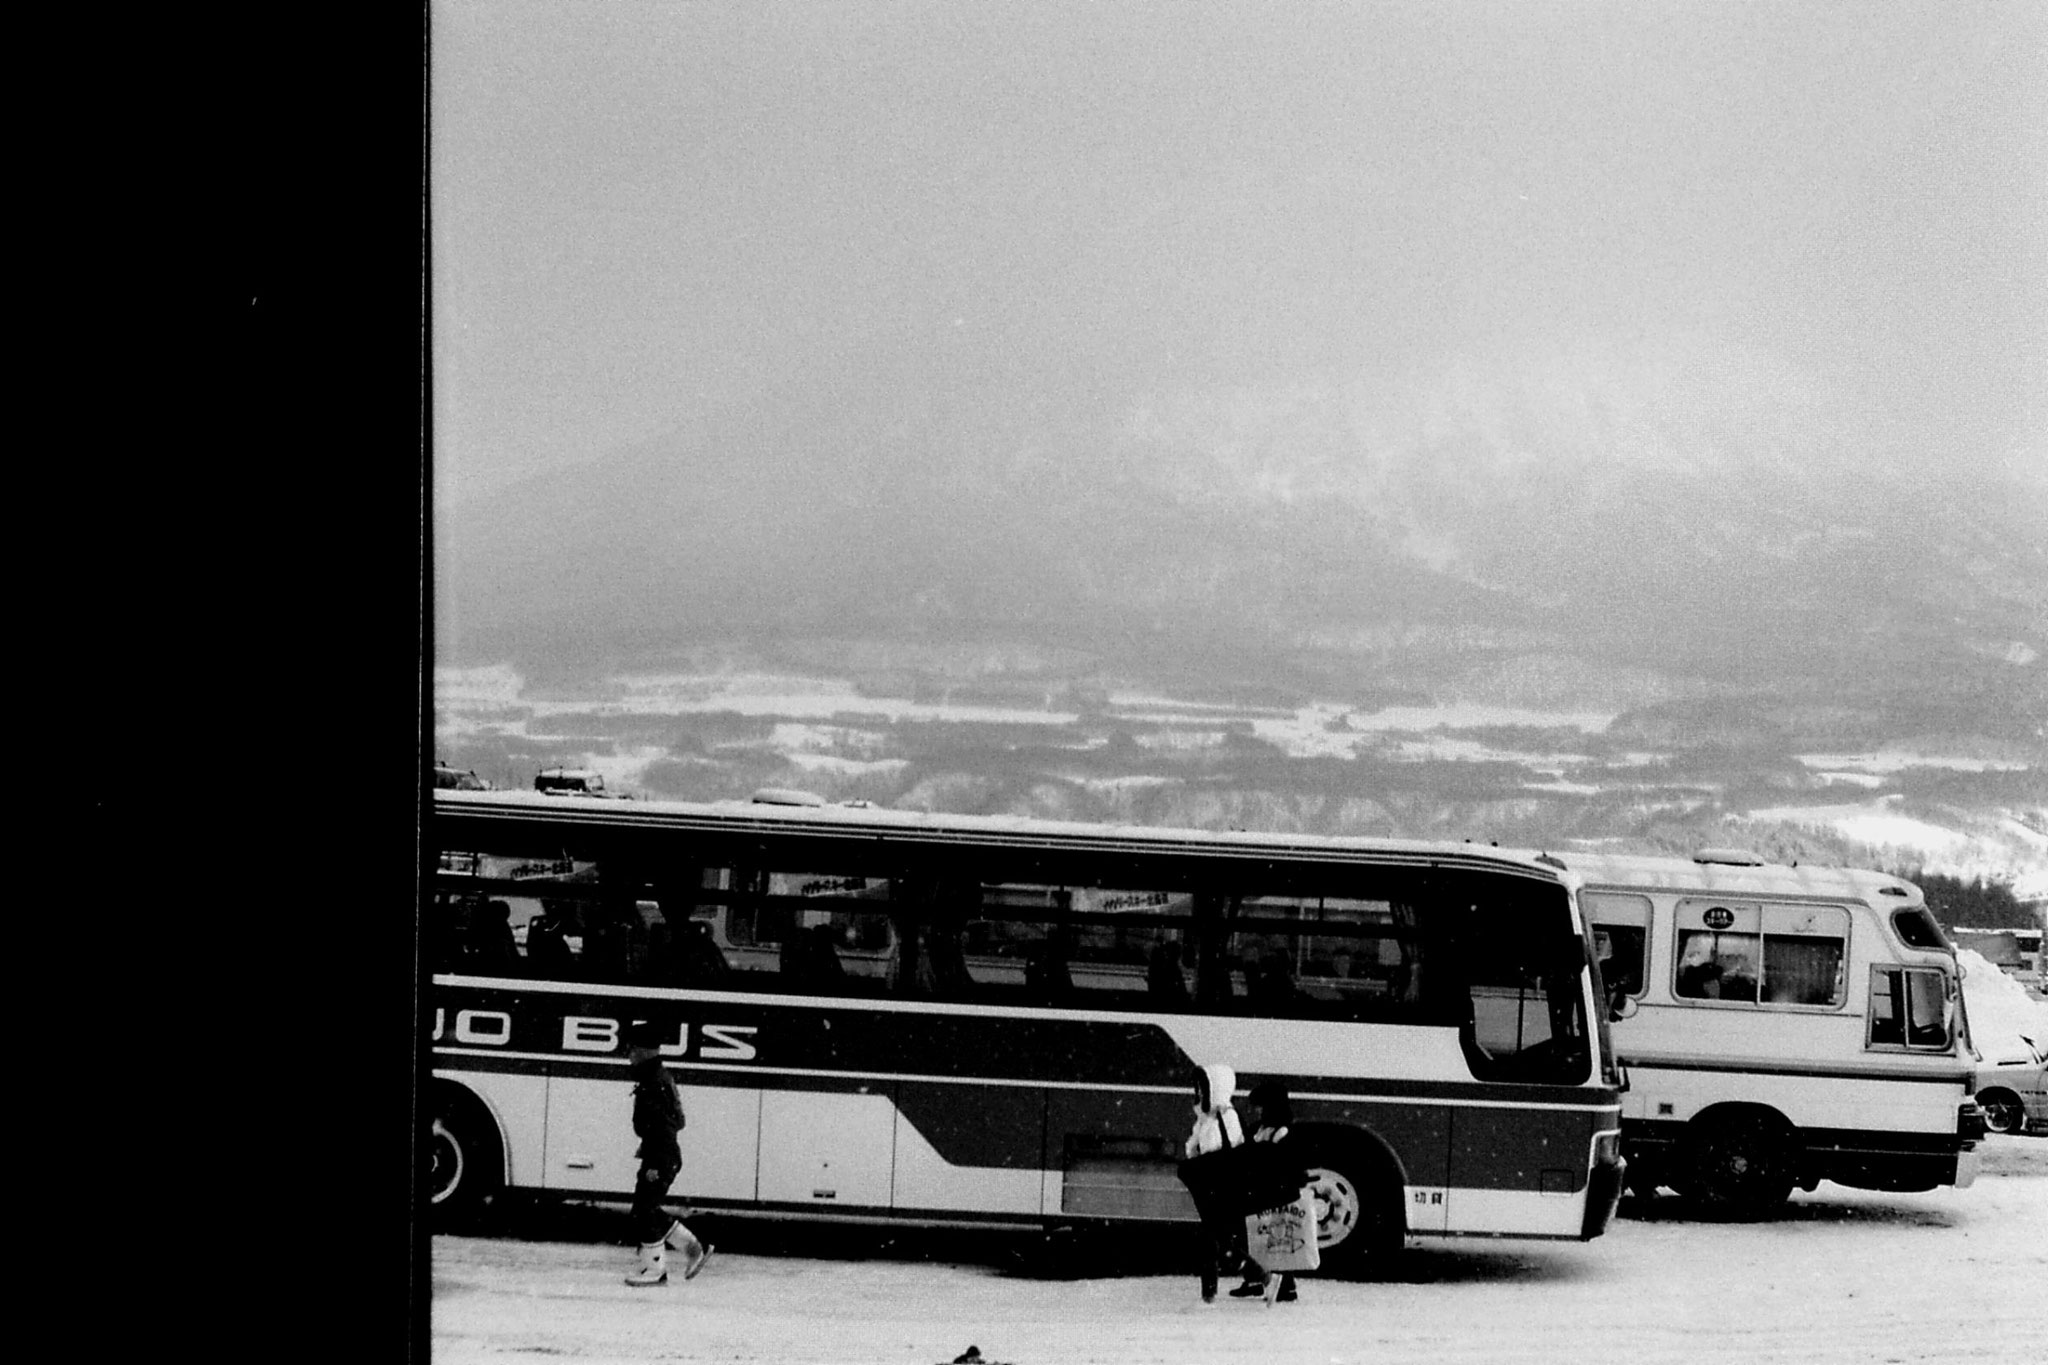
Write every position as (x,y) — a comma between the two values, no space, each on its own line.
(2014,951)
(2000,947)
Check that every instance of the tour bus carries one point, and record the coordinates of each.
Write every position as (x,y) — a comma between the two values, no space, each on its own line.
(949,1020)
(1779,1026)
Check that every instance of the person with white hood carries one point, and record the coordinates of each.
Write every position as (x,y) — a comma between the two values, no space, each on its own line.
(1209,1175)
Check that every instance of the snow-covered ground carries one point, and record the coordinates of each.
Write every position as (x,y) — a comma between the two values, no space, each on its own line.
(1841,1276)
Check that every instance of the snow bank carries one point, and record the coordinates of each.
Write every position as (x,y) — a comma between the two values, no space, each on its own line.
(2000,1008)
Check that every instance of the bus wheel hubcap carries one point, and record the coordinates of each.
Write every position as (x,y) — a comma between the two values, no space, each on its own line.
(1336,1205)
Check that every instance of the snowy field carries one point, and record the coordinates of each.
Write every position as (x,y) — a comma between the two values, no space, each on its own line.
(1840,1276)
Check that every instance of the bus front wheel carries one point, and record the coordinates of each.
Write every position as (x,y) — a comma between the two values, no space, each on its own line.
(1357,1200)
(1738,1164)
(464,1164)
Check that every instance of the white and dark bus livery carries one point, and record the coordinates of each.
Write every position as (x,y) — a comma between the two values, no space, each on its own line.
(890,1015)
(1779,1026)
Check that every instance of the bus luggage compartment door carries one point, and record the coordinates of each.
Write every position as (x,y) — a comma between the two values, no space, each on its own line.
(1116,1152)
(830,1149)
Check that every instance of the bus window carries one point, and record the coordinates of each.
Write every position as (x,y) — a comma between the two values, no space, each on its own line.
(1510,972)
(1088,946)
(822,931)
(1326,957)
(1909,1007)
(1019,943)
(474,935)
(1525,1016)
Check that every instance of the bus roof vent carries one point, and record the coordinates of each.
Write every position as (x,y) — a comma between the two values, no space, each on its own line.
(1732,857)
(786,796)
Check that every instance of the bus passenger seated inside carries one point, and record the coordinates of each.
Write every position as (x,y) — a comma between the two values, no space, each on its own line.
(446,934)
(703,963)
(607,944)
(1165,984)
(492,949)
(926,958)
(1046,976)
(1714,966)
(547,952)
(810,959)
(1269,983)
(950,978)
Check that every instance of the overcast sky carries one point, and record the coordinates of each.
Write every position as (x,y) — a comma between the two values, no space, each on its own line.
(646,210)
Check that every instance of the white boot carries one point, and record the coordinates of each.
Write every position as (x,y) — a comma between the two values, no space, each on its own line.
(695,1253)
(653,1266)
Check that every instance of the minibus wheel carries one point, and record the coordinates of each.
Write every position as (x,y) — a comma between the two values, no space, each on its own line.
(1360,1226)
(465,1165)
(1737,1163)
(2003,1111)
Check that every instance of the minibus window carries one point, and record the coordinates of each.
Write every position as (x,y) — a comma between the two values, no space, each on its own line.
(1802,970)
(1620,948)
(1918,929)
(1717,966)
(1926,1010)
(1909,1007)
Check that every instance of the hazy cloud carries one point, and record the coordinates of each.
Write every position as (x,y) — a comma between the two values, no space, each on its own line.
(644,211)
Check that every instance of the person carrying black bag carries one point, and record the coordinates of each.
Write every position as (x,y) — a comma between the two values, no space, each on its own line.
(1211,1171)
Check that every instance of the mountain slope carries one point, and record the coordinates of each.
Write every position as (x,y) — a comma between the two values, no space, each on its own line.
(1705,509)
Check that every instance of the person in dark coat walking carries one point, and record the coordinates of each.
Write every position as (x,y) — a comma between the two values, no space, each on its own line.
(1275,1177)
(657,1119)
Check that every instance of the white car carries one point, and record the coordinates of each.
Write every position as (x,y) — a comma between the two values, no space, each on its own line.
(2012,1090)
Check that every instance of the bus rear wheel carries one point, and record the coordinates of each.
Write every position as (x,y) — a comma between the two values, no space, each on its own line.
(1357,1201)
(1737,1165)
(464,1164)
